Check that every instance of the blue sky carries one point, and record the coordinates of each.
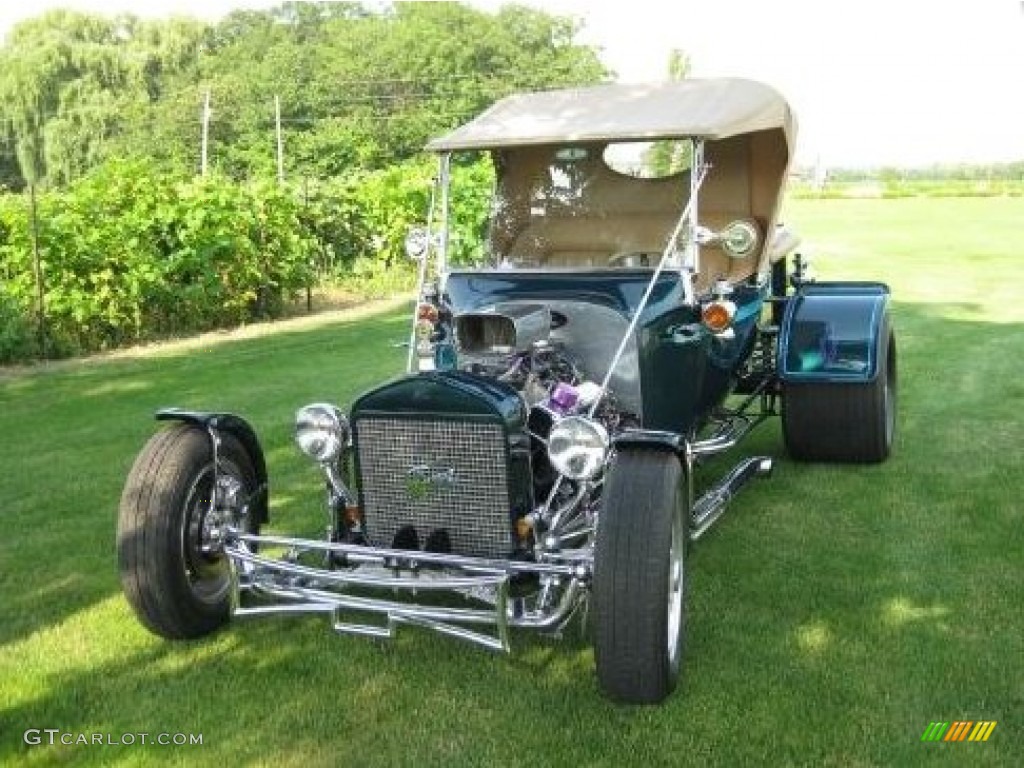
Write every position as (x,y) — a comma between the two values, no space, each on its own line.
(873,82)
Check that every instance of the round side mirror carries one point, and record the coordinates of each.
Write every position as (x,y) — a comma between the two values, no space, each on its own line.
(739,239)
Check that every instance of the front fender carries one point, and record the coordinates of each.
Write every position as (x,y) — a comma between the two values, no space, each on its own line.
(669,442)
(241,430)
(832,333)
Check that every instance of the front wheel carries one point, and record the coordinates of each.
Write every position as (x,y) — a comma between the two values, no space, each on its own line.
(172,571)
(639,577)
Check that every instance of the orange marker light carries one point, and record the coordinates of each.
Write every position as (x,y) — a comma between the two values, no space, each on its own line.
(717,316)
(426,312)
(353,514)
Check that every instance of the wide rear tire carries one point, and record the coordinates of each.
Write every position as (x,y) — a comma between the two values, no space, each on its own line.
(175,588)
(844,422)
(639,577)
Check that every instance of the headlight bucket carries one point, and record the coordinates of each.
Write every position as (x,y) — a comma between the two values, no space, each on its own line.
(321,431)
(578,447)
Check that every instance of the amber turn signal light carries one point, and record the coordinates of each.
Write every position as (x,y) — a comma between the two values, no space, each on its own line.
(427,312)
(718,315)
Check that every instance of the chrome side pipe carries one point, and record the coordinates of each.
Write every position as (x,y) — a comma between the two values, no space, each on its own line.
(712,505)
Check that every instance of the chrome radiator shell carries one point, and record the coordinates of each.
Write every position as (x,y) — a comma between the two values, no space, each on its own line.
(443,451)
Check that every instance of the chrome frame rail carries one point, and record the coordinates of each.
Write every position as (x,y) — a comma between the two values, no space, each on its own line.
(736,424)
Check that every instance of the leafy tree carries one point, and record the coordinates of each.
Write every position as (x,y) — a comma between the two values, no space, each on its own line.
(68,81)
(667,157)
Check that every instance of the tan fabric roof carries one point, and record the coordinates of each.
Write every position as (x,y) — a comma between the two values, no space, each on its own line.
(710,109)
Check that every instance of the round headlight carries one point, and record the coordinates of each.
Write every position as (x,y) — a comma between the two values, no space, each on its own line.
(321,431)
(416,243)
(739,239)
(577,447)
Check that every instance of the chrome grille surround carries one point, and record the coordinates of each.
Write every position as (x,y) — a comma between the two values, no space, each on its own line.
(470,498)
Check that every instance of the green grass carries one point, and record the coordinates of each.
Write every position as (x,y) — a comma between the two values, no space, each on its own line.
(834,612)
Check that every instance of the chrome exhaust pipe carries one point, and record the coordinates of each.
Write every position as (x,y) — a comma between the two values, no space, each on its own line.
(712,505)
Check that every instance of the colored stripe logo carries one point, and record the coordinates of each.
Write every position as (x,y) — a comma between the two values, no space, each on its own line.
(959,730)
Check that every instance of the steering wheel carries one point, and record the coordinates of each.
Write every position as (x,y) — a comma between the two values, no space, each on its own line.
(630,259)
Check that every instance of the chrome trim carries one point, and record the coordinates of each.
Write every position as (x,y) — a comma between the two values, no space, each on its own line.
(421,279)
(727,436)
(691,265)
(676,591)
(713,504)
(349,578)
(302,589)
(736,424)
(410,559)
(334,479)
(441,619)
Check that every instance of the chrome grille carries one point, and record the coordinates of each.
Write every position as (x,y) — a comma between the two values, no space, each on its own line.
(467,494)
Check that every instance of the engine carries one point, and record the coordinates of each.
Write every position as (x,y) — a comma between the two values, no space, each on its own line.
(511,343)
(457,458)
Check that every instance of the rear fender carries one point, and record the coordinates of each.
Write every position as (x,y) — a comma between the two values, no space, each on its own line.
(831,333)
(217,423)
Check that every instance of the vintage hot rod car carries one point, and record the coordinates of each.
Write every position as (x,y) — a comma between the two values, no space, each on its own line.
(630,315)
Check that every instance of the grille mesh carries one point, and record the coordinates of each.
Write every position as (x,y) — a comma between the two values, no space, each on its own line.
(474,509)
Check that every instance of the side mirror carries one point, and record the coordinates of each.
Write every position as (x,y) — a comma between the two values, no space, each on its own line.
(738,239)
(416,243)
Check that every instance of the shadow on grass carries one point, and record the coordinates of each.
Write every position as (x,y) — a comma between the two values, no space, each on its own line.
(71,436)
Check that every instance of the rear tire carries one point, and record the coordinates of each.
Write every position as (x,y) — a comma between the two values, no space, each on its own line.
(639,595)
(844,422)
(177,590)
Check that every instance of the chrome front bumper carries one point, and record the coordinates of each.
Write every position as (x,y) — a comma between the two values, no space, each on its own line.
(264,585)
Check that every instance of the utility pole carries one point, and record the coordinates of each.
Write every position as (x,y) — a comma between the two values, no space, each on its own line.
(280,140)
(37,271)
(206,131)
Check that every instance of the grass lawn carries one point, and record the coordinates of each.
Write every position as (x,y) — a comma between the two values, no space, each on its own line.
(834,612)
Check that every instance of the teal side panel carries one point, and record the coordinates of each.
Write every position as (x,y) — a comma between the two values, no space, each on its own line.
(673,366)
(830,332)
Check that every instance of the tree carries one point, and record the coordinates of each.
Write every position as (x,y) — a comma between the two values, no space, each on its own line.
(667,157)
(68,80)
(360,86)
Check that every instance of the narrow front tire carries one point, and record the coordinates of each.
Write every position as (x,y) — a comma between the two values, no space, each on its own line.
(640,578)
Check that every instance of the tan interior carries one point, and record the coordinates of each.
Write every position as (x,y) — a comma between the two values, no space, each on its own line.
(617,215)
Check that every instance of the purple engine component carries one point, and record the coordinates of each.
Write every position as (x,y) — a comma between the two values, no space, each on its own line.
(564,398)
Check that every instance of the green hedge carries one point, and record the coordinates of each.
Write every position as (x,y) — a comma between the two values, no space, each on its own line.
(130,254)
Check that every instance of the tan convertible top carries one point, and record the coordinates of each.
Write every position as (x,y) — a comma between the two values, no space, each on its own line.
(712,109)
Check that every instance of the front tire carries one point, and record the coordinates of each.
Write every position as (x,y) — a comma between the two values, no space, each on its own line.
(177,588)
(639,577)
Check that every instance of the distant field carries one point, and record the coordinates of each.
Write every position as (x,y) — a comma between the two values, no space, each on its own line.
(891,189)
(834,612)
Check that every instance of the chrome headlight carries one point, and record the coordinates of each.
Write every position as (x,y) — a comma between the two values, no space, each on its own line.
(321,431)
(739,239)
(577,447)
